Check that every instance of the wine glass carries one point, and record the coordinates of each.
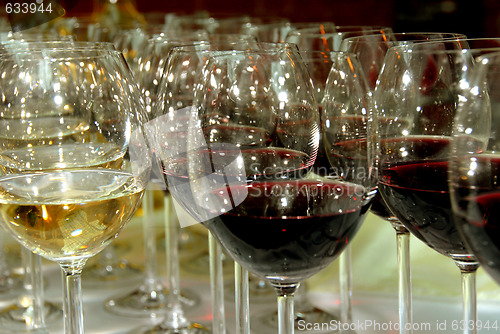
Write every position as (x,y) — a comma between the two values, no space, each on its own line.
(270,32)
(75,163)
(179,80)
(371,50)
(473,177)
(162,61)
(327,38)
(245,171)
(319,64)
(417,94)
(31,312)
(148,299)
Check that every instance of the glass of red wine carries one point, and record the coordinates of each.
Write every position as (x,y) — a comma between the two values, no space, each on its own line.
(314,39)
(245,171)
(319,65)
(179,80)
(371,50)
(473,176)
(417,94)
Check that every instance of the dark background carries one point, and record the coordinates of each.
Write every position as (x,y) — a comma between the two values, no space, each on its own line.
(475,18)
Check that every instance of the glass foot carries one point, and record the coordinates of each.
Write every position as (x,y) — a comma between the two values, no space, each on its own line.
(194,328)
(147,304)
(121,272)
(10,286)
(201,265)
(17,317)
(310,314)
(259,291)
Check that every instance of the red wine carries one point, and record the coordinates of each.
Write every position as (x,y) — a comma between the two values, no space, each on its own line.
(287,231)
(416,191)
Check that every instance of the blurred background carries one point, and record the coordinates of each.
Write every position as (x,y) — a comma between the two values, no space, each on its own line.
(479,18)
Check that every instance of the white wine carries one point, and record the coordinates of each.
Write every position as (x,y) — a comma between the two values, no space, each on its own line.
(69,214)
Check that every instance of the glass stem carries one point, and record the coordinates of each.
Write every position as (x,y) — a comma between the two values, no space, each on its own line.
(345,271)
(216,286)
(286,315)
(469,298)
(35,276)
(175,317)
(72,297)
(4,268)
(241,295)
(404,280)
(151,281)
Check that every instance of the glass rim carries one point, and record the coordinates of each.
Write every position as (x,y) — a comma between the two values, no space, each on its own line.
(410,33)
(416,49)
(487,56)
(56,54)
(312,31)
(198,47)
(57,44)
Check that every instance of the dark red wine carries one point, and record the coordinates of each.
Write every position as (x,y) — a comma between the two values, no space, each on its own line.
(287,231)
(416,191)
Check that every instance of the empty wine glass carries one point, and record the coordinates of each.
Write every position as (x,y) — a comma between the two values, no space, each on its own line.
(327,38)
(181,68)
(274,32)
(75,162)
(417,94)
(148,298)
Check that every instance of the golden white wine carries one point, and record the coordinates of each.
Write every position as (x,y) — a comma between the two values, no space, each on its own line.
(69,214)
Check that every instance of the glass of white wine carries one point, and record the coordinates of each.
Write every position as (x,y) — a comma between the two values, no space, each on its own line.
(74,161)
